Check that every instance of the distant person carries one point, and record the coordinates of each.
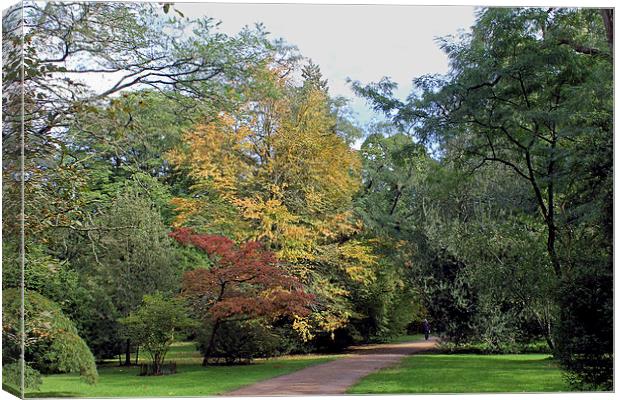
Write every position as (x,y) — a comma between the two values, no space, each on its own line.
(427,328)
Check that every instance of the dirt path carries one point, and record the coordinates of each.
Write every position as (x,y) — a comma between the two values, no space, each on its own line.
(336,376)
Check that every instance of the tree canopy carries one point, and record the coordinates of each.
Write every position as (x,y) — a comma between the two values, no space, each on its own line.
(213,187)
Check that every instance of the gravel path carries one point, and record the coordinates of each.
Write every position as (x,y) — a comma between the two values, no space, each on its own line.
(336,376)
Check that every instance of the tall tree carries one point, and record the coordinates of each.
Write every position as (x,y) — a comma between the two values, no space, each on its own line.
(278,167)
(131,254)
(527,90)
(244,282)
(132,46)
(510,91)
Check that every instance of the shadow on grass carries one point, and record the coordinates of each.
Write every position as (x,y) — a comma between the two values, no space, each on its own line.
(51,394)
(452,373)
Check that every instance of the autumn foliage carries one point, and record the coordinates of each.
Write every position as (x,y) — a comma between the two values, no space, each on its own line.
(280,171)
(246,281)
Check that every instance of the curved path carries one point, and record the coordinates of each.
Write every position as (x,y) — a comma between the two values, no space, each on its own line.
(336,376)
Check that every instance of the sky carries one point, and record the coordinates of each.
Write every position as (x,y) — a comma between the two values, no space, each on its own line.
(362,42)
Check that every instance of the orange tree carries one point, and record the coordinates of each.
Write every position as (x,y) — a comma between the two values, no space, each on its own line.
(244,282)
(280,170)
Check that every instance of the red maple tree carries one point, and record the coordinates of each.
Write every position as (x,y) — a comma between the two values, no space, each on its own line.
(245,281)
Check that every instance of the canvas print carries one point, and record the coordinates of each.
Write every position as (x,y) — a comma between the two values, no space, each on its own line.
(221,199)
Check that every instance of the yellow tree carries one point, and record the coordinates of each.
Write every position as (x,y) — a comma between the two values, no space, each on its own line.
(280,164)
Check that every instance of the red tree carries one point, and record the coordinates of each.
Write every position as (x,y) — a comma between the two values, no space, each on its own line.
(245,281)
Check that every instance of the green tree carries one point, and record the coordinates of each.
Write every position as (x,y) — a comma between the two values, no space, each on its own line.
(52,343)
(530,90)
(80,298)
(131,254)
(155,325)
(277,170)
(64,42)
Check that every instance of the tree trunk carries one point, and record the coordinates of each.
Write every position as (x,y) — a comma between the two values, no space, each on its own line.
(157,365)
(128,353)
(549,337)
(551,226)
(209,348)
(545,324)
(395,202)
(608,21)
(216,325)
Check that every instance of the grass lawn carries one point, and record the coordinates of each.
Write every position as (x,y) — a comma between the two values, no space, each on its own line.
(191,378)
(407,338)
(465,373)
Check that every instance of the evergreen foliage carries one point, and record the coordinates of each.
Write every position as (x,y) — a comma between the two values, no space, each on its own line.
(217,170)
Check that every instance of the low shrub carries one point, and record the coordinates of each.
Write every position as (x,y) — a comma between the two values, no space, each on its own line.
(239,342)
(11,376)
(164,369)
(539,346)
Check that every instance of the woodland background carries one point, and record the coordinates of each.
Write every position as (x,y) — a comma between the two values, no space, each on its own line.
(216,181)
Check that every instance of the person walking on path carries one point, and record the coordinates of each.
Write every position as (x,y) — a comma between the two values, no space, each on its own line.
(335,377)
(427,328)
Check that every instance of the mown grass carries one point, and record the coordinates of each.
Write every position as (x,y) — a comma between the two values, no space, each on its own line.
(423,373)
(191,378)
(439,373)
(407,338)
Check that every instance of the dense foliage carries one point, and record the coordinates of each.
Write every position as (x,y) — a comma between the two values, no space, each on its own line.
(522,129)
(214,173)
(155,325)
(51,341)
(244,283)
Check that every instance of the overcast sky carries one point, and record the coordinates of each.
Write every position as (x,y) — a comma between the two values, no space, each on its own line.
(363,42)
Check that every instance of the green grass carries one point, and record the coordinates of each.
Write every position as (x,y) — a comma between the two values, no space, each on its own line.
(424,373)
(191,378)
(407,338)
(180,352)
(438,373)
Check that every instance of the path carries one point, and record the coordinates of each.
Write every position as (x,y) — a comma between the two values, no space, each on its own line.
(336,376)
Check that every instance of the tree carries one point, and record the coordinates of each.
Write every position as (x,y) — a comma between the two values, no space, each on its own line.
(81,299)
(131,254)
(313,78)
(526,91)
(155,324)
(277,170)
(245,282)
(51,341)
(510,102)
(63,43)
(142,49)
(393,168)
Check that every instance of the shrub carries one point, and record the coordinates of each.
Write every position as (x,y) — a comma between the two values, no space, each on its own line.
(154,326)
(584,332)
(239,342)
(52,341)
(11,376)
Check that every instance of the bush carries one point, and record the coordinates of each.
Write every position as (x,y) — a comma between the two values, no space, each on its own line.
(154,326)
(11,376)
(384,306)
(451,301)
(52,341)
(336,341)
(485,348)
(584,332)
(240,342)
(289,340)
